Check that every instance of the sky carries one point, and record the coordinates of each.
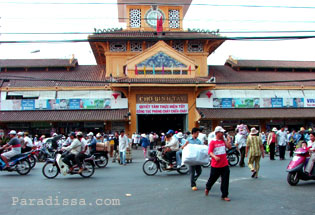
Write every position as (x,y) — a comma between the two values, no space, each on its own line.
(36,16)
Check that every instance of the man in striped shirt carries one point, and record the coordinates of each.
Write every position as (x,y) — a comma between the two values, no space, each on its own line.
(254,144)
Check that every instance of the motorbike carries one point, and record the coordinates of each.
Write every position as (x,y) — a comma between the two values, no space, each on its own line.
(56,166)
(31,157)
(101,159)
(233,156)
(157,162)
(17,163)
(296,167)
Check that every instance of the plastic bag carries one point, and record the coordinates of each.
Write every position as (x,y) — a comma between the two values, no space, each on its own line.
(194,154)
(267,148)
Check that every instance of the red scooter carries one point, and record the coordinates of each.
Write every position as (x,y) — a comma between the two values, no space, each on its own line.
(296,167)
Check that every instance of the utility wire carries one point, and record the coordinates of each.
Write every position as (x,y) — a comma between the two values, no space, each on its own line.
(158,38)
(144,82)
(220,32)
(159,4)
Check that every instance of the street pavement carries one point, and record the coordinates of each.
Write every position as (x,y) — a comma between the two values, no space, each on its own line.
(126,189)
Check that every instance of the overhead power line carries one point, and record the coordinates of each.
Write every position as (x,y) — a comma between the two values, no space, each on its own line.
(116,80)
(220,32)
(154,3)
(163,38)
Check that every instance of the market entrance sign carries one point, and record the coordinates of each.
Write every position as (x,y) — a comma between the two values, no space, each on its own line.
(162,108)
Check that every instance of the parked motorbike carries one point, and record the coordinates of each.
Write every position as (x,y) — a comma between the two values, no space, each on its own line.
(101,159)
(17,163)
(56,166)
(296,167)
(233,156)
(157,162)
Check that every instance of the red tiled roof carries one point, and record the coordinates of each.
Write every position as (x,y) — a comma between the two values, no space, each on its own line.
(37,63)
(79,73)
(271,64)
(226,74)
(63,115)
(257,113)
(152,35)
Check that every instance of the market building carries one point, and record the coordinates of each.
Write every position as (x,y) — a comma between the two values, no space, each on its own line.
(153,76)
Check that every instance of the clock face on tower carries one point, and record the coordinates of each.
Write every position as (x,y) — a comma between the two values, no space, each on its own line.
(152,15)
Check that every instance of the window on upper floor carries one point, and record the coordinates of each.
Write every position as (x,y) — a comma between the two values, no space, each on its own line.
(136,46)
(195,47)
(135,18)
(174,19)
(118,46)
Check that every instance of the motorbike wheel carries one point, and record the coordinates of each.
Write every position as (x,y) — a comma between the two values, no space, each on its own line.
(293,178)
(50,170)
(23,167)
(183,170)
(32,161)
(233,159)
(88,170)
(101,161)
(150,168)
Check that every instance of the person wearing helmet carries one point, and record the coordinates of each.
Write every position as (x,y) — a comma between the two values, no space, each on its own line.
(70,139)
(21,139)
(74,149)
(28,143)
(92,142)
(15,148)
(172,146)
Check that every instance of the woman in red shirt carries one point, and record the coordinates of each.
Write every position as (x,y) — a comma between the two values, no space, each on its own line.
(219,163)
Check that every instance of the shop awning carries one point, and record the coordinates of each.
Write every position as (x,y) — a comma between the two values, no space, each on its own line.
(64,115)
(257,113)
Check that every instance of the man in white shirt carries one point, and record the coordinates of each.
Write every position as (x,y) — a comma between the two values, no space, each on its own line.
(282,142)
(123,144)
(202,137)
(310,164)
(240,143)
(28,143)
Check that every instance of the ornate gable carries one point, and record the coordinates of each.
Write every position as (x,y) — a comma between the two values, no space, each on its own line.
(161,59)
(161,56)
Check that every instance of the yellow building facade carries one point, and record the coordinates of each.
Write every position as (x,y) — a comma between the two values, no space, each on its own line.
(158,71)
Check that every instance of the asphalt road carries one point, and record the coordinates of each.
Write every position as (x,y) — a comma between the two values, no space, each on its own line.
(127,190)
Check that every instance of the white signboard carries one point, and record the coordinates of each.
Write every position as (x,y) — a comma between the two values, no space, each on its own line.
(162,108)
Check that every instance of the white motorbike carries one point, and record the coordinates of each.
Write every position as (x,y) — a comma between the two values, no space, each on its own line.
(55,166)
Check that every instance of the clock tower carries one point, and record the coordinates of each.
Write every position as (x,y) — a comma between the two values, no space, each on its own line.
(144,17)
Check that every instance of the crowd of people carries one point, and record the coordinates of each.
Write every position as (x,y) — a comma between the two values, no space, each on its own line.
(249,142)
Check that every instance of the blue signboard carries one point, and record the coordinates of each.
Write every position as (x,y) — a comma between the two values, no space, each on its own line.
(226,102)
(277,102)
(74,104)
(28,104)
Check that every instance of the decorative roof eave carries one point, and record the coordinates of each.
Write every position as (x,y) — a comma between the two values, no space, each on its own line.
(161,85)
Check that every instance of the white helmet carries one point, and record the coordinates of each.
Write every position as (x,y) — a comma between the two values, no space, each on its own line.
(90,134)
(55,134)
(13,132)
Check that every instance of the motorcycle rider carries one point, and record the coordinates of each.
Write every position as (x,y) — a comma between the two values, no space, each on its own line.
(181,141)
(15,146)
(173,146)
(74,149)
(28,143)
(92,142)
(311,145)
(70,139)
(21,139)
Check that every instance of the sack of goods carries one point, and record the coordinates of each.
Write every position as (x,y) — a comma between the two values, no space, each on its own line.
(194,154)
(101,147)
